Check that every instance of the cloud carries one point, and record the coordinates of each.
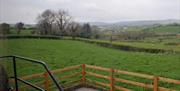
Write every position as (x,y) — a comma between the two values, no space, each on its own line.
(91,6)
(57,1)
(91,10)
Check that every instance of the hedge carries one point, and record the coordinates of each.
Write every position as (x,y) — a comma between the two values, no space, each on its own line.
(126,47)
(30,36)
(98,42)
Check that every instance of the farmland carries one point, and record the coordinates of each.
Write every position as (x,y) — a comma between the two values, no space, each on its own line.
(155,55)
(166,29)
(111,44)
(166,38)
(170,43)
(62,53)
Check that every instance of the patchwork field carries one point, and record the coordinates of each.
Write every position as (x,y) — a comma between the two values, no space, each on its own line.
(170,43)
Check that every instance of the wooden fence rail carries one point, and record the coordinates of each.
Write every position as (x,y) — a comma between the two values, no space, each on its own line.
(111,78)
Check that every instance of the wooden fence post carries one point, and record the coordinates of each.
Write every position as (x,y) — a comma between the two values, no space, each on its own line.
(83,72)
(46,82)
(111,79)
(155,83)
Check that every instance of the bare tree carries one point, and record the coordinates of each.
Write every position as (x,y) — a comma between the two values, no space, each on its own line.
(45,22)
(19,26)
(73,27)
(62,18)
(42,27)
(52,22)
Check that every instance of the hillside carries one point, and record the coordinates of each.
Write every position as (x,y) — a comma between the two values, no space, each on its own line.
(135,23)
(166,29)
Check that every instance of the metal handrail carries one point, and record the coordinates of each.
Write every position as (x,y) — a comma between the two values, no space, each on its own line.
(28,83)
(14,57)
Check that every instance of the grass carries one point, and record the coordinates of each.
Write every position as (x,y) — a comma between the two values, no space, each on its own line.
(152,42)
(153,45)
(63,53)
(23,32)
(149,43)
(167,29)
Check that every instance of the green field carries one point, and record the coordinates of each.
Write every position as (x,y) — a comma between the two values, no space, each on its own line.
(165,43)
(63,53)
(156,43)
(166,29)
(23,32)
(161,42)
(167,38)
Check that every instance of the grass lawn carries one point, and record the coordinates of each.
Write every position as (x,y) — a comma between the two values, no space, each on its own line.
(63,53)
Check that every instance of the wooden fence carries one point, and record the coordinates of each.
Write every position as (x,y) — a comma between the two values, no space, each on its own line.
(86,71)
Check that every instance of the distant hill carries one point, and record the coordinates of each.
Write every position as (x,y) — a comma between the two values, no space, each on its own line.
(98,23)
(143,23)
(135,23)
(146,23)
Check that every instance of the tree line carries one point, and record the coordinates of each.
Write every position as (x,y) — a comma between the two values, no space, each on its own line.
(60,23)
(5,28)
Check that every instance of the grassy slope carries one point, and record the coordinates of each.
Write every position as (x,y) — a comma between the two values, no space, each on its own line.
(62,53)
(151,43)
(167,29)
(146,43)
(156,43)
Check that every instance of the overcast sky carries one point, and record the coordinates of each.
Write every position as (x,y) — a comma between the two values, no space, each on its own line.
(12,11)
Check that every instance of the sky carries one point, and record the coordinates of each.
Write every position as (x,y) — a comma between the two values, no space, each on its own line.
(12,11)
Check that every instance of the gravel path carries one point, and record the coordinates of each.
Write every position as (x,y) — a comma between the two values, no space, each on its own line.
(85,89)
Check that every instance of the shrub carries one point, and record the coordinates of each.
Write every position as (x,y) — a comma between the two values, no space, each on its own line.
(4,28)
